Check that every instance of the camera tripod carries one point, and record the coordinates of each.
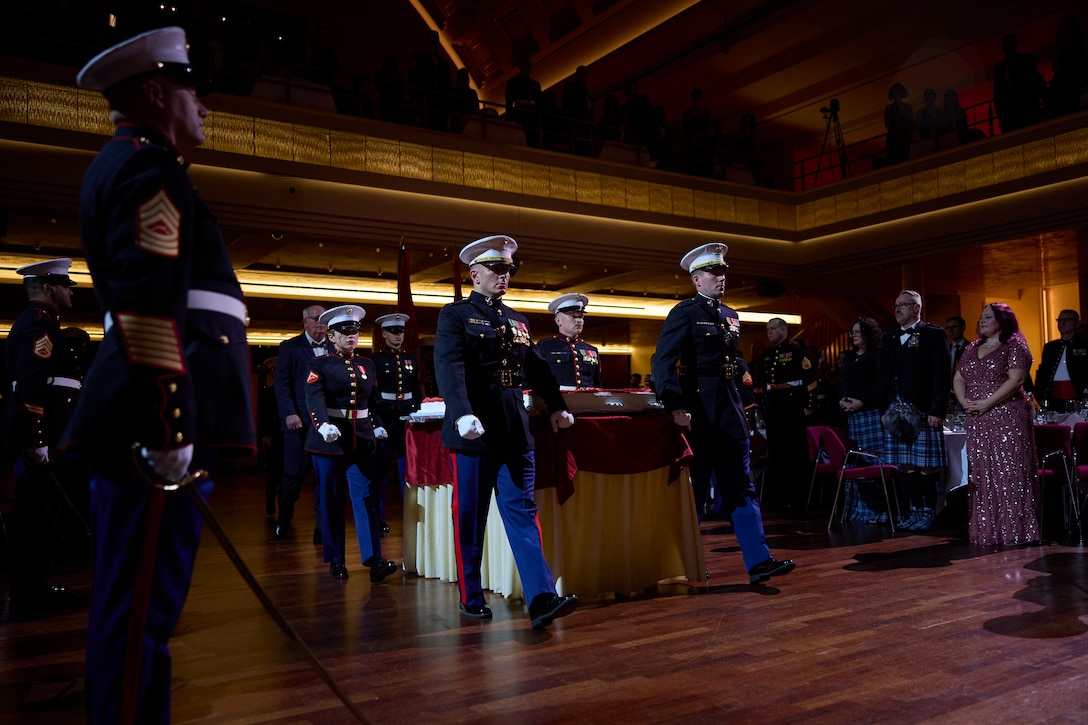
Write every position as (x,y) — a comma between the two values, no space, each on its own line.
(831,115)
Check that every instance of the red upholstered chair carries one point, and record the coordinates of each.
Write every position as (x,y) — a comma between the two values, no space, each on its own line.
(1080,463)
(817,458)
(1054,458)
(834,443)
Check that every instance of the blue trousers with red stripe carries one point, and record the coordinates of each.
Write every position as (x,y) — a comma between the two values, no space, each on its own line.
(139,532)
(512,477)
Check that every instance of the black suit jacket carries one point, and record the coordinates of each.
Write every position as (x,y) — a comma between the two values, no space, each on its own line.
(918,371)
(289,377)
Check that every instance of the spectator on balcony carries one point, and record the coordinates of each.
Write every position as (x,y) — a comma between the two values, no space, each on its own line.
(392,93)
(953,117)
(697,128)
(523,102)
(899,124)
(466,102)
(1019,88)
(324,63)
(577,105)
(1070,69)
(928,117)
(611,120)
(638,115)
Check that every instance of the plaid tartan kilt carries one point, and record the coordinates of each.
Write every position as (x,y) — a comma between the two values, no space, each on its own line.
(926,452)
(866,431)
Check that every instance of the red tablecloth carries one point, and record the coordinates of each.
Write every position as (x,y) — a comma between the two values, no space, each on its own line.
(597,444)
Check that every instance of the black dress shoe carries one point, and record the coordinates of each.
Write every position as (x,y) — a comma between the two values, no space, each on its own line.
(382,569)
(338,570)
(317,537)
(772,567)
(385,528)
(548,607)
(280,531)
(476,611)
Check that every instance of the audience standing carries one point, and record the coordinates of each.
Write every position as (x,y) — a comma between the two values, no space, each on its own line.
(1070,69)
(912,389)
(1063,370)
(1003,488)
(899,124)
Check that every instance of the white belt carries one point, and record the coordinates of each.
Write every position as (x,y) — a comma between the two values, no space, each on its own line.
(201,299)
(347,413)
(65,382)
(62,382)
(396,396)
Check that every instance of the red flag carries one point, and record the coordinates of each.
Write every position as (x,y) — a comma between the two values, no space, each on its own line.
(407,305)
(456,278)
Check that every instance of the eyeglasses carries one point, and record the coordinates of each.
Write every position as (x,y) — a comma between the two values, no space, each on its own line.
(905,304)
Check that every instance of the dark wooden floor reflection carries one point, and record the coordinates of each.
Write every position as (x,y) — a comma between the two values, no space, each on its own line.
(870,628)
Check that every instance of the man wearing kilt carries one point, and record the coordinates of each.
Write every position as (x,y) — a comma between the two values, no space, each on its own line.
(912,388)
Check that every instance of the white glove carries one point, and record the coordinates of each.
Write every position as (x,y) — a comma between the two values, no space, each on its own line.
(561,419)
(381,433)
(329,432)
(469,427)
(171,464)
(37,455)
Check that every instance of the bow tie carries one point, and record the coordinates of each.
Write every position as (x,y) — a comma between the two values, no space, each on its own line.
(317,344)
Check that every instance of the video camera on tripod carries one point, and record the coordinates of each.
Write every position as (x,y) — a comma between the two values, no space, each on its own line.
(833,128)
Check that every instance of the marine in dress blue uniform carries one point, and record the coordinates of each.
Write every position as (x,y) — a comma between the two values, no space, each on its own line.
(1063,368)
(575,363)
(169,388)
(342,400)
(46,382)
(484,356)
(786,383)
(398,381)
(696,375)
(289,383)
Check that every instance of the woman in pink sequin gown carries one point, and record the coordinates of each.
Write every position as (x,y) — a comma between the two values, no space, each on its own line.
(1003,490)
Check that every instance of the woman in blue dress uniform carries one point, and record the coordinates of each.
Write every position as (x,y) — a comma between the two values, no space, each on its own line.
(342,397)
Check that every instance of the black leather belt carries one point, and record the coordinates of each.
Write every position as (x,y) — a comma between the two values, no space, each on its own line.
(727,371)
(508,379)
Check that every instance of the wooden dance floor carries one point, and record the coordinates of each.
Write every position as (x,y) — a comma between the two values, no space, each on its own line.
(870,628)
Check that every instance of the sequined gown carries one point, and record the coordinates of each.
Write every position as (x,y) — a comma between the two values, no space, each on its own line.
(1004,495)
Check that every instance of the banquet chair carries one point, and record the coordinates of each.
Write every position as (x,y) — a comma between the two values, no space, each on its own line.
(817,458)
(838,453)
(1054,460)
(1080,463)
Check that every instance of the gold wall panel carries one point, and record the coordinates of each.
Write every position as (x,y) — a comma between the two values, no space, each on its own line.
(950,179)
(868,202)
(508,177)
(535,179)
(449,166)
(93,114)
(563,185)
(348,151)
(233,134)
(479,171)
(12,100)
(660,198)
(703,204)
(806,215)
(978,172)
(382,156)
(768,214)
(273,139)
(926,186)
(1071,148)
(588,187)
(51,106)
(824,211)
(638,195)
(683,202)
(895,193)
(747,211)
(1039,156)
(614,191)
(846,205)
(415,161)
(725,208)
(312,145)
